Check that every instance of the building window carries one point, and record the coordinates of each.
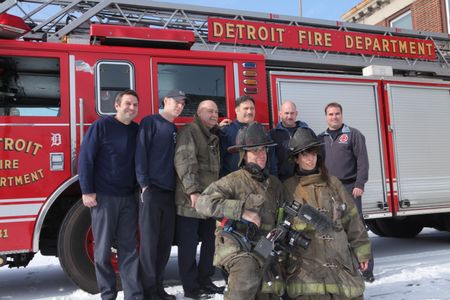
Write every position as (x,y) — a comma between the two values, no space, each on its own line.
(29,86)
(112,78)
(198,82)
(403,21)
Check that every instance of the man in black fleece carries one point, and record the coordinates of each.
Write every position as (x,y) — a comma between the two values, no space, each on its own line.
(155,173)
(108,182)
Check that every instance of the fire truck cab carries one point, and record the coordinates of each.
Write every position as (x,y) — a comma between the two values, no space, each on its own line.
(49,97)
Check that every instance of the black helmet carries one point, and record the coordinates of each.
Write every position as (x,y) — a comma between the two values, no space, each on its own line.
(251,136)
(303,139)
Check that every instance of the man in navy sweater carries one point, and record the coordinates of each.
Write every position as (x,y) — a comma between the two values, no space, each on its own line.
(155,173)
(108,182)
(245,114)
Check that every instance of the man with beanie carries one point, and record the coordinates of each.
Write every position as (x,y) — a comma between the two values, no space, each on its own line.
(155,173)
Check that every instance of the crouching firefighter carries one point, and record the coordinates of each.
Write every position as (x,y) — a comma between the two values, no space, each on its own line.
(330,268)
(245,204)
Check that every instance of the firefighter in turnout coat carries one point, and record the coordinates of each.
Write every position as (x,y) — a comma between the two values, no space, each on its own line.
(330,268)
(197,165)
(244,197)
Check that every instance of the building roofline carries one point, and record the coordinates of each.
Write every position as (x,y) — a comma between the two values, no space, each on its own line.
(363,9)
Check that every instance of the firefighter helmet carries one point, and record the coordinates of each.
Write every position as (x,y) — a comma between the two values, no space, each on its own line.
(303,139)
(251,136)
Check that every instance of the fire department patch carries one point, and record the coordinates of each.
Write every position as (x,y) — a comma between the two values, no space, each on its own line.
(343,139)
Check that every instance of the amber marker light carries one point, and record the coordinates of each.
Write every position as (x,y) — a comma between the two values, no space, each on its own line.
(248,73)
(250,82)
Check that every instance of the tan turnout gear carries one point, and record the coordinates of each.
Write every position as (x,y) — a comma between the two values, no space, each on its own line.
(329,267)
(196,163)
(226,198)
(250,136)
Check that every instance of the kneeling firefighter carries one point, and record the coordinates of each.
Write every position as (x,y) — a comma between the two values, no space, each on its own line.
(330,268)
(245,202)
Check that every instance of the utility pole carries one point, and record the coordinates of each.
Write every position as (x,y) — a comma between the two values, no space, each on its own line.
(301,14)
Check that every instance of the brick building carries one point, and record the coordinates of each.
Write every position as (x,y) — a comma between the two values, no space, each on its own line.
(420,15)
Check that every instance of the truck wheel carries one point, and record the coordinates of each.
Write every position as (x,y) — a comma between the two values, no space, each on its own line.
(400,228)
(373,226)
(75,251)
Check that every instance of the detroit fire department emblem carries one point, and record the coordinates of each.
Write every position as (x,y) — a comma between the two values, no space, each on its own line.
(56,139)
(343,139)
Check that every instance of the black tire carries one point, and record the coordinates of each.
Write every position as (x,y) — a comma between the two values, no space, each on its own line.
(399,228)
(373,226)
(72,248)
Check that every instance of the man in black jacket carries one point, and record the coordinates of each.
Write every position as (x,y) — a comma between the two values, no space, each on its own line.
(282,134)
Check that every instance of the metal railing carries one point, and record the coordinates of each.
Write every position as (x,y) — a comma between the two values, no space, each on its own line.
(52,20)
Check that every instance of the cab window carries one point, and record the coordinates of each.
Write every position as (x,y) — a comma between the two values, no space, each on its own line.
(112,78)
(29,86)
(198,82)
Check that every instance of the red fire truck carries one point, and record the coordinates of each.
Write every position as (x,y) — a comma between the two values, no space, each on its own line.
(62,62)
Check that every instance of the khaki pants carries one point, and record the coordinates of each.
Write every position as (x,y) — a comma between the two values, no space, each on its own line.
(326,297)
(244,279)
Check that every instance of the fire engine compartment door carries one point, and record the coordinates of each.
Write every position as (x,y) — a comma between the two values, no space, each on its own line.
(419,120)
(359,99)
(34,139)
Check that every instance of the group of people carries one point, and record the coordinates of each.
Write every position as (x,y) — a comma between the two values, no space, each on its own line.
(208,180)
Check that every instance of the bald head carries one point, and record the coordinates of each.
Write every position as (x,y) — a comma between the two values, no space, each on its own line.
(288,114)
(208,113)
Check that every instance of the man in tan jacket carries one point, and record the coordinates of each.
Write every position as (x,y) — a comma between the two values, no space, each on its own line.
(197,165)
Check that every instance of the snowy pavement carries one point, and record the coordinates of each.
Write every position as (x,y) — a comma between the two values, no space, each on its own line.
(415,276)
(410,269)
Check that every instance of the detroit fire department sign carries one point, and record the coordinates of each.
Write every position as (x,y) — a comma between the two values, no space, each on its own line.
(309,38)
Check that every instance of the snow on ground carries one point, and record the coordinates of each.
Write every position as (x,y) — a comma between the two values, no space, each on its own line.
(44,279)
(418,276)
(410,269)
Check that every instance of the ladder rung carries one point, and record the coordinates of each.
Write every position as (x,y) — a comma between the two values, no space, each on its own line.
(56,15)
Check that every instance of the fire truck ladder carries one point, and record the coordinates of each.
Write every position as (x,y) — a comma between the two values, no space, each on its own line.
(54,20)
